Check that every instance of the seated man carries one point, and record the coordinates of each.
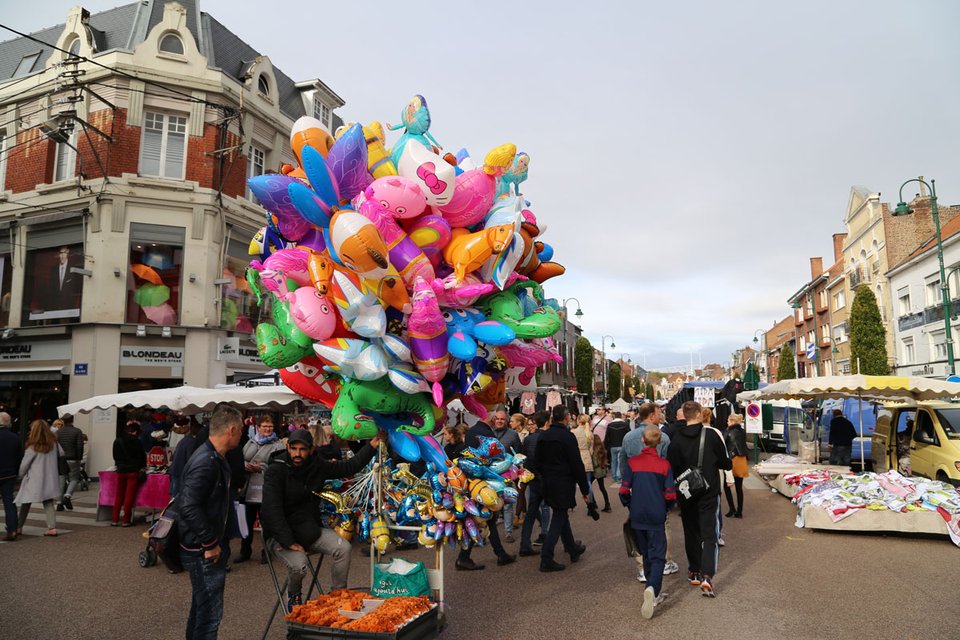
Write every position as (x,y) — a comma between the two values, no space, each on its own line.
(290,512)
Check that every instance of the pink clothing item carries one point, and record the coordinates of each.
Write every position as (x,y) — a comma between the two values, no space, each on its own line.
(553,399)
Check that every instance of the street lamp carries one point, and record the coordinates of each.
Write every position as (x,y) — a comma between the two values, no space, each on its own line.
(762,349)
(566,351)
(902,210)
(603,364)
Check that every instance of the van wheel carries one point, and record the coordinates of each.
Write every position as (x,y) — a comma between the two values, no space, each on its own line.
(943,477)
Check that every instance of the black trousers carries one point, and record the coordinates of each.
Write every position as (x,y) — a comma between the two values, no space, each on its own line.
(738,485)
(701,528)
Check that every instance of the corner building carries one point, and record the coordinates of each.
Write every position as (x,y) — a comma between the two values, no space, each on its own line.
(124,213)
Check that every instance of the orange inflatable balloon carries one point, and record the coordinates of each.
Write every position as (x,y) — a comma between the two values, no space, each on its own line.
(320,268)
(467,251)
(309,131)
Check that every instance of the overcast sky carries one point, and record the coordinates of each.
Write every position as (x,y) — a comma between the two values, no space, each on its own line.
(687,158)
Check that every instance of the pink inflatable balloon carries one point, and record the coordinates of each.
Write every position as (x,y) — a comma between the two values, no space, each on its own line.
(401,197)
(312,313)
(472,198)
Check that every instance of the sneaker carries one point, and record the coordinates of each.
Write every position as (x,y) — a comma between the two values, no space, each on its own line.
(670,568)
(526,553)
(693,577)
(551,566)
(721,543)
(646,609)
(538,542)
(293,599)
(706,587)
(68,503)
(641,577)
(509,538)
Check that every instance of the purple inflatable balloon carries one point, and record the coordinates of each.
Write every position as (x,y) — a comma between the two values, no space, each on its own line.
(348,162)
(272,191)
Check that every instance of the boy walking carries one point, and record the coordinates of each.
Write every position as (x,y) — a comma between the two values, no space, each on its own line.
(648,491)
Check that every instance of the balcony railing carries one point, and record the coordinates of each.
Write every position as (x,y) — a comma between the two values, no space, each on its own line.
(912,320)
(858,276)
(933,314)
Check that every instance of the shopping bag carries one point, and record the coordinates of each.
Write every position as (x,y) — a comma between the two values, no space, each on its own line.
(399,578)
(164,538)
(630,540)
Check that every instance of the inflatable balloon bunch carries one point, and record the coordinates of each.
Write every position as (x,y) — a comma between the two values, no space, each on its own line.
(401,278)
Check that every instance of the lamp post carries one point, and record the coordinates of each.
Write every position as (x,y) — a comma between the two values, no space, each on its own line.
(902,210)
(763,347)
(566,351)
(603,364)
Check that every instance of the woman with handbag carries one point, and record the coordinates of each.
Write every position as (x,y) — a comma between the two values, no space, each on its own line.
(40,478)
(256,454)
(600,466)
(736,441)
(584,435)
(131,461)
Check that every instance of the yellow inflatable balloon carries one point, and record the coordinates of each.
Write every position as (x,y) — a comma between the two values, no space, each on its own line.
(468,251)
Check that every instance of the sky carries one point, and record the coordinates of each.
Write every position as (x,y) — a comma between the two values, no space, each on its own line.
(687,159)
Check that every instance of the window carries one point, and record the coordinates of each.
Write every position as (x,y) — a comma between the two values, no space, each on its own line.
(153,281)
(811,337)
(799,315)
(3,160)
(802,347)
(880,304)
(839,300)
(6,280)
(924,432)
(903,301)
(239,310)
(840,332)
(164,145)
(824,299)
(909,357)
(52,291)
(255,161)
(938,346)
(825,332)
(74,47)
(170,43)
(263,85)
(65,166)
(809,305)
(321,111)
(932,292)
(26,65)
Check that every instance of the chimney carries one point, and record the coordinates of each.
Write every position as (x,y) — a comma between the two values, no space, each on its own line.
(816,267)
(838,239)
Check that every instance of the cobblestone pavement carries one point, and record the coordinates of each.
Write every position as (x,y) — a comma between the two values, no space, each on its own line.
(775,581)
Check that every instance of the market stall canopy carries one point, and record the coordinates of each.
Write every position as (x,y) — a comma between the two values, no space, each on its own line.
(187,399)
(619,404)
(902,388)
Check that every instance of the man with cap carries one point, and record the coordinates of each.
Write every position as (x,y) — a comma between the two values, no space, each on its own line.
(290,512)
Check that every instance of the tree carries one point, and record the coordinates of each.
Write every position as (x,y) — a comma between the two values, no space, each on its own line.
(787,370)
(583,365)
(613,382)
(649,392)
(868,340)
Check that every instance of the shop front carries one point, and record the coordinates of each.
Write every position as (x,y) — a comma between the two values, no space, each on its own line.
(34,378)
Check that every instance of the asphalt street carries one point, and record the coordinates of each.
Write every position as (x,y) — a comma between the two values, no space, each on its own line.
(775,581)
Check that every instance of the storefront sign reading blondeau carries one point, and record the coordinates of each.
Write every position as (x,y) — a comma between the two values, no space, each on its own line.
(39,350)
(151,356)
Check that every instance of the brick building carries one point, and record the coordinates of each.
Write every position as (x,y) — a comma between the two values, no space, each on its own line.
(124,214)
(782,333)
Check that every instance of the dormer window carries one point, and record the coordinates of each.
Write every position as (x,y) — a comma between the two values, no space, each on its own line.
(26,64)
(172,44)
(263,85)
(74,47)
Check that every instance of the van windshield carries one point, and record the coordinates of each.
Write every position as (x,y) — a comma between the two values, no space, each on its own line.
(950,421)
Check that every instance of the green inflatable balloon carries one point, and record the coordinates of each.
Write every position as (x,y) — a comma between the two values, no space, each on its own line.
(351,422)
(506,307)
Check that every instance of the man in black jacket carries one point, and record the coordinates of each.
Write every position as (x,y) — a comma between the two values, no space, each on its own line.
(205,509)
(290,511)
(613,441)
(842,433)
(700,514)
(11,453)
(70,440)
(536,507)
(464,561)
(557,458)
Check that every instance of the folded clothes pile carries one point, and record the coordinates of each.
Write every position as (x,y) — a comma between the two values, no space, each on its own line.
(842,495)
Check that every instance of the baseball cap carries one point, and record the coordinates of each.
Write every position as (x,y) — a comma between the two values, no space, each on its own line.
(301,435)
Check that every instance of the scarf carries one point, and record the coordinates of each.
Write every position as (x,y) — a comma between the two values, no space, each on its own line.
(264,440)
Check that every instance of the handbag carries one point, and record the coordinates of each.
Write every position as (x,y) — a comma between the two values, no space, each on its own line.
(691,484)
(164,538)
(630,540)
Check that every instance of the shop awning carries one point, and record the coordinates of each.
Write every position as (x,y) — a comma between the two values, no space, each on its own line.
(31,374)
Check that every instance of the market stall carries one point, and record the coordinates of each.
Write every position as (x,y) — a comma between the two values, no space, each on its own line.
(833,498)
(188,400)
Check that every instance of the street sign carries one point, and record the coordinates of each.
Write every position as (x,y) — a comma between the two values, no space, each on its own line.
(754,419)
(811,351)
(80,368)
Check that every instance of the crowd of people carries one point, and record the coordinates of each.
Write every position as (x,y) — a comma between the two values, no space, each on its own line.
(277,475)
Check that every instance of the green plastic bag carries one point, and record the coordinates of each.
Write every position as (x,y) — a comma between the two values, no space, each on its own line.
(399,578)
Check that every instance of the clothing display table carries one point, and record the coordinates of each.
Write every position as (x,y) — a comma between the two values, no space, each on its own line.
(154,494)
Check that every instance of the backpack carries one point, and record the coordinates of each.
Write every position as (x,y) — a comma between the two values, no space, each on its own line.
(164,538)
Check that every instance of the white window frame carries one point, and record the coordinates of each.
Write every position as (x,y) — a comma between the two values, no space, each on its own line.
(176,37)
(148,115)
(938,345)
(839,300)
(21,70)
(909,351)
(824,299)
(3,160)
(254,151)
(903,301)
(65,150)
(931,289)
(840,333)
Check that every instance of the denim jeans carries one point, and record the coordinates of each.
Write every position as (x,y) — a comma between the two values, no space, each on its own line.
(509,511)
(206,607)
(535,503)
(559,530)
(840,455)
(69,482)
(615,463)
(9,508)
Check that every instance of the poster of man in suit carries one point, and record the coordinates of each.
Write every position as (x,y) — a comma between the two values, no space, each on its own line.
(57,291)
